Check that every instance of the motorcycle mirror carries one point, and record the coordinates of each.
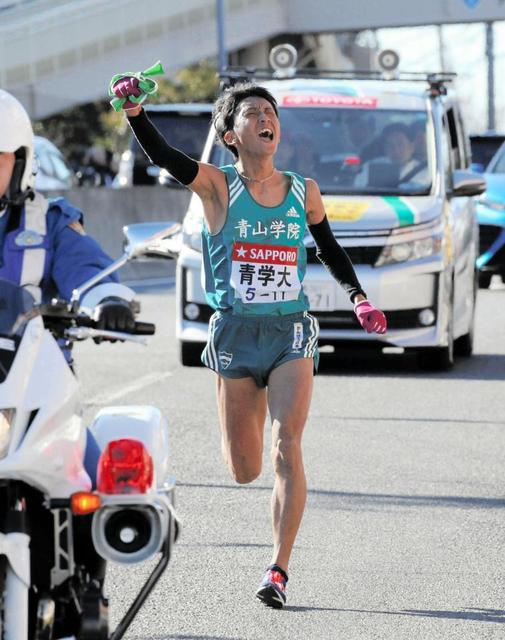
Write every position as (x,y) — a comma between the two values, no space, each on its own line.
(139,238)
(153,239)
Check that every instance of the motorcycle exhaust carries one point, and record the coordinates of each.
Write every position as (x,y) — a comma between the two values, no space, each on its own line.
(130,533)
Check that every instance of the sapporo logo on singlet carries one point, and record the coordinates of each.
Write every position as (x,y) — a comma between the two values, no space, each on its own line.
(265,273)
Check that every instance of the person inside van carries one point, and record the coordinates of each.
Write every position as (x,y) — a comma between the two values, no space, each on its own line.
(418,134)
(360,129)
(296,154)
(398,166)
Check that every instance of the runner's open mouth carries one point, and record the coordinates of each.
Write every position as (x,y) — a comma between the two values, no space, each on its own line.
(267,134)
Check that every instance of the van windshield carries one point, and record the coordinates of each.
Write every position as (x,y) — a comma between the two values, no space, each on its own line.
(354,151)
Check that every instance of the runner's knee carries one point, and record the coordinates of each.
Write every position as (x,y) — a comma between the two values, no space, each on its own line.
(286,455)
(243,469)
(244,472)
(244,455)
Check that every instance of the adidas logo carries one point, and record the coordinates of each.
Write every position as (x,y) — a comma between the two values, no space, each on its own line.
(292,213)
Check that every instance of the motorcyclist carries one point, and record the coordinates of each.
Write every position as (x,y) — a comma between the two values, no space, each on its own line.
(43,245)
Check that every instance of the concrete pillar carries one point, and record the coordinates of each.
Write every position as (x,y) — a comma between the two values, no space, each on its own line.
(491,121)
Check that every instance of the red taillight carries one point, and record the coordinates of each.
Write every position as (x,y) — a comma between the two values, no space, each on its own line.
(125,466)
(352,160)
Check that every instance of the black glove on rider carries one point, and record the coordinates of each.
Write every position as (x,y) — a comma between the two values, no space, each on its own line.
(114,314)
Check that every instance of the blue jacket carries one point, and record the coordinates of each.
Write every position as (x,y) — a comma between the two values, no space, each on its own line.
(64,258)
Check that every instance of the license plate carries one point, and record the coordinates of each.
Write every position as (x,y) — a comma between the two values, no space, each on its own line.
(321,295)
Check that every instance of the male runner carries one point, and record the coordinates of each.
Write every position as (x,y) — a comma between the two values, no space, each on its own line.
(262,341)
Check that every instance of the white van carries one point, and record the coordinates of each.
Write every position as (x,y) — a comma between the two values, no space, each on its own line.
(411,233)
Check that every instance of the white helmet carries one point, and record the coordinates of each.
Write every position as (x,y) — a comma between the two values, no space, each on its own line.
(16,135)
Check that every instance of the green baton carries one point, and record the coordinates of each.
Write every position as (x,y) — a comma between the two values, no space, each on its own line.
(146,85)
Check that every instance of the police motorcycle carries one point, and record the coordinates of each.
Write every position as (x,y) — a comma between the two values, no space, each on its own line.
(49,513)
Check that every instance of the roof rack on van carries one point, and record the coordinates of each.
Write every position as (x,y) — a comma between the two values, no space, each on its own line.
(231,75)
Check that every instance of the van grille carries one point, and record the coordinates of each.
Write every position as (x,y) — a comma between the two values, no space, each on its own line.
(402,319)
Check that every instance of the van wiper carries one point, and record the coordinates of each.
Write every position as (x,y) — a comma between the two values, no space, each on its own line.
(376,191)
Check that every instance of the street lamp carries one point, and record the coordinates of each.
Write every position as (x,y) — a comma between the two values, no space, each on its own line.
(220,34)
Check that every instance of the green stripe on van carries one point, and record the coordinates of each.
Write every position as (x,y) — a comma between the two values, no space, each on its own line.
(404,212)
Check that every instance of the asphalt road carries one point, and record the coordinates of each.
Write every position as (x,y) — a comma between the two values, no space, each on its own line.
(403,535)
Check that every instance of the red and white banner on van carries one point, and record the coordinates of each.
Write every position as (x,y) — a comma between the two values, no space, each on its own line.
(302,100)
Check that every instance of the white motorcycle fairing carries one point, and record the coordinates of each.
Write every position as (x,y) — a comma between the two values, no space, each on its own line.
(47,452)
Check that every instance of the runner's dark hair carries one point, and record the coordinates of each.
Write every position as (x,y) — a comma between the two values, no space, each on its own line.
(226,106)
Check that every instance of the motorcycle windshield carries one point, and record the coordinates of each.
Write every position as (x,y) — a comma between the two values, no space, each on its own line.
(17,307)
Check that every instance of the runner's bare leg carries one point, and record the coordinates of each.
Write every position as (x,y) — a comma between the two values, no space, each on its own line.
(242,407)
(289,395)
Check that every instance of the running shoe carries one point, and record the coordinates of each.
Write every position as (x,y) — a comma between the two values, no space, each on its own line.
(272,590)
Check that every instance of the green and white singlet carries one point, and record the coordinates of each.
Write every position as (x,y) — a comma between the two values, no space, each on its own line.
(256,264)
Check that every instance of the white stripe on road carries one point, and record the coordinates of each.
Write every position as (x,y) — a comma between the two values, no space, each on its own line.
(145,381)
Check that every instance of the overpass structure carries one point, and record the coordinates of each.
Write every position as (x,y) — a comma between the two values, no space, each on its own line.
(58,53)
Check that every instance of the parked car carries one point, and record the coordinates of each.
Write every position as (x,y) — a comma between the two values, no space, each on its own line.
(52,170)
(185,125)
(491,218)
(483,147)
(413,239)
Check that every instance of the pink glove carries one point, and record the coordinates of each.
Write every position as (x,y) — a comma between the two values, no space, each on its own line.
(127,87)
(370,318)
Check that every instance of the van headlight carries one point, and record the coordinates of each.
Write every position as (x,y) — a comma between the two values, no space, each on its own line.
(6,422)
(407,251)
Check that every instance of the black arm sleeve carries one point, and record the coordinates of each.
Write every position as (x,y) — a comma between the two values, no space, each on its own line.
(182,167)
(335,259)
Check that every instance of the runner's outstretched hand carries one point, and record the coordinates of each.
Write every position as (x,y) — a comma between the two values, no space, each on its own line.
(371,319)
(126,87)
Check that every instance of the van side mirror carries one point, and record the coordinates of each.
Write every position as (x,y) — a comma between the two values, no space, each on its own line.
(467,183)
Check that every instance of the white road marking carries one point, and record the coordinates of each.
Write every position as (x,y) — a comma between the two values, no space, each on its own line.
(145,381)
